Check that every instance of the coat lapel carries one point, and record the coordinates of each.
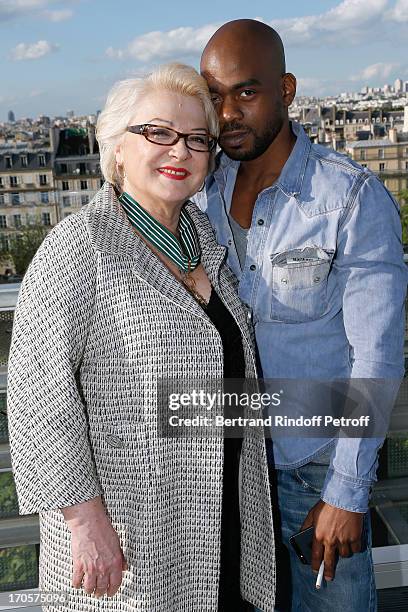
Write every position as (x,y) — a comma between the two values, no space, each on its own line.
(111,232)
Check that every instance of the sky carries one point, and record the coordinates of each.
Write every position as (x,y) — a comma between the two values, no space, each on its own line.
(65,55)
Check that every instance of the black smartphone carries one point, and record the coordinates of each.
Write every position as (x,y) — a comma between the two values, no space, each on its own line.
(302,544)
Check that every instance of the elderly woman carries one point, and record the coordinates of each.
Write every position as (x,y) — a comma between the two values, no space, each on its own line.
(131,289)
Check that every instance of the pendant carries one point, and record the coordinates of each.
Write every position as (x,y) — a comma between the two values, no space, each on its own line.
(190,285)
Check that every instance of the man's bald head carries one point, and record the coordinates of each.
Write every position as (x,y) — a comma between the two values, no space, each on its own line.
(244,36)
(244,66)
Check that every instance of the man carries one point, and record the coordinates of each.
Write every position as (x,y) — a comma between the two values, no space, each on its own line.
(315,241)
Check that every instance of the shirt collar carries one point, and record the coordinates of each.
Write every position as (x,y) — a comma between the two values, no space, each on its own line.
(291,178)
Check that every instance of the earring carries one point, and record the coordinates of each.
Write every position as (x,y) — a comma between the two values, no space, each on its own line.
(202,187)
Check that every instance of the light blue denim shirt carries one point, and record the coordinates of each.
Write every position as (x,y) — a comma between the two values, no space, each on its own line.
(341,317)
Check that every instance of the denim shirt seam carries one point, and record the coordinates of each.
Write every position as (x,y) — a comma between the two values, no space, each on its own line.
(358,482)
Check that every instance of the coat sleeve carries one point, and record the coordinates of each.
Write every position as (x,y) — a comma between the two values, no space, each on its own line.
(50,451)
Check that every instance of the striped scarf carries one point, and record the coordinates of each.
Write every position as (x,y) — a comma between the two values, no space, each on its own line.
(186,253)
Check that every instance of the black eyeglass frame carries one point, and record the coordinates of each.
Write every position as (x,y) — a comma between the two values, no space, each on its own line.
(141,130)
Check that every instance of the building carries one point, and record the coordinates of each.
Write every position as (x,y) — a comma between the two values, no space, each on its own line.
(27,191)
(398,86)
(387,157)
(76,168)
(11,117)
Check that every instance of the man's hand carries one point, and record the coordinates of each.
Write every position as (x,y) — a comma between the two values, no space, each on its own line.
(335,530)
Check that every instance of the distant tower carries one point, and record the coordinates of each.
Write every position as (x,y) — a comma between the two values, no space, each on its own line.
(11,117)
(398,86)
(70,114)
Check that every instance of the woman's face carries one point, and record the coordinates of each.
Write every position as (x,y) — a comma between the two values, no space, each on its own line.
(149,168)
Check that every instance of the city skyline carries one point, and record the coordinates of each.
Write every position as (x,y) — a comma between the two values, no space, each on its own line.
(59,55)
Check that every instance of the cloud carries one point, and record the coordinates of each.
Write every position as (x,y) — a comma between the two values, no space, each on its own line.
(399,12)
(26,51)
(350,21)
(12,9)
(58,15)
(162,46)
(381,70)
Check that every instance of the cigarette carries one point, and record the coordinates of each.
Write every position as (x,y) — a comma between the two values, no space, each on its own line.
(320,576)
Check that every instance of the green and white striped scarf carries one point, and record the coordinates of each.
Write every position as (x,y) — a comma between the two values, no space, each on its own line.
(186,253)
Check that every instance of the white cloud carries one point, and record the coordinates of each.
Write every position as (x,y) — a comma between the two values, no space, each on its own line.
(399,12)
(350,21)
(161,46)
(381,70)
(27,51)
(58,15)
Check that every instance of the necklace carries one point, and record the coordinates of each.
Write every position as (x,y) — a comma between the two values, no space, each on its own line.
(184,253)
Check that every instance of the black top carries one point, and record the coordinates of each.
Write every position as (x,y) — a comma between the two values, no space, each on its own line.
(229,598)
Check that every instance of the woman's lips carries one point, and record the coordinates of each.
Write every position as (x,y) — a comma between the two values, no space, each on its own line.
(176,174)
(233,139)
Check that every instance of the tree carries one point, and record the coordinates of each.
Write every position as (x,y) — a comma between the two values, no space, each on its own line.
(403,200)
(23,246)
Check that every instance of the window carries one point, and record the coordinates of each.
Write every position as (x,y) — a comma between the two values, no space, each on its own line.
(13,181)
(101,182)
(4,243)
(45,197)
(9,162)
(15,198)
(24,161)
(382,167)
(17,220)
(82,168)
(84,185)
(65,186)
(63,168)
(45,218)
(1,181)
(66,201)
(406,151)
(41,160)
(381,153)
(362,154)
(1,199)
(84,200)
(43,179)
(406,165)
(3,221)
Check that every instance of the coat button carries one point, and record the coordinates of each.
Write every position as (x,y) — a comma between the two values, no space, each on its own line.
(261,221)
(284,280)
(114,441)
(229,242)
(316,279)
(252,267)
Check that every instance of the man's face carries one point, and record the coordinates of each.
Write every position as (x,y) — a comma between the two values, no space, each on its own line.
(247,96)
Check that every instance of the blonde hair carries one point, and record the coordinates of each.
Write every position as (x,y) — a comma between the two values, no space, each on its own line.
(123,99)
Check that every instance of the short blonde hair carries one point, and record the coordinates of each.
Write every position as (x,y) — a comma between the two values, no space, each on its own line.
(123,99)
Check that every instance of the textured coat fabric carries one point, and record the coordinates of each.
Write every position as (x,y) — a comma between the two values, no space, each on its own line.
(99,318)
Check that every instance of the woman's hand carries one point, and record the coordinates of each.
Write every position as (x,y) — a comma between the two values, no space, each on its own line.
(98,560)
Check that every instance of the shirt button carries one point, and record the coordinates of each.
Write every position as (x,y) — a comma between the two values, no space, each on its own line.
(252,267)
(284,280)
(261,221)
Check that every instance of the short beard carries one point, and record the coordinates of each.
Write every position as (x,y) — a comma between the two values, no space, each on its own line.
(261,142)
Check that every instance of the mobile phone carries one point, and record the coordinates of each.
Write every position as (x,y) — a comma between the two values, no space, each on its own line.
(302,544)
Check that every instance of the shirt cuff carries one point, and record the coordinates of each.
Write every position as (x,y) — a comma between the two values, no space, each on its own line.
(352,494)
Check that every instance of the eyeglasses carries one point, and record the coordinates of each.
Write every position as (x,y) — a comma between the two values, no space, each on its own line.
(167,136)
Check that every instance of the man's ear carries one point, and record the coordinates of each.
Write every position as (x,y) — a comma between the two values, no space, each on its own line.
(288,88)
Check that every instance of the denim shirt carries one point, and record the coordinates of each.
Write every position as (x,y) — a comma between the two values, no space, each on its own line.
(341,317)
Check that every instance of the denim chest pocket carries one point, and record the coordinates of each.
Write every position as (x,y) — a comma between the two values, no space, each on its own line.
(299,284)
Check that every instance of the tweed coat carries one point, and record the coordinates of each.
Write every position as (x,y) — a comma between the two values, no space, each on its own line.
(99,318)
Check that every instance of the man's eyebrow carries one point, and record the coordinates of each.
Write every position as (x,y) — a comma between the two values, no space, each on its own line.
(241,85)
(246,83)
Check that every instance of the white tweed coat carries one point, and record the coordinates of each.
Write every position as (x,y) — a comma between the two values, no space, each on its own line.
(99,318)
